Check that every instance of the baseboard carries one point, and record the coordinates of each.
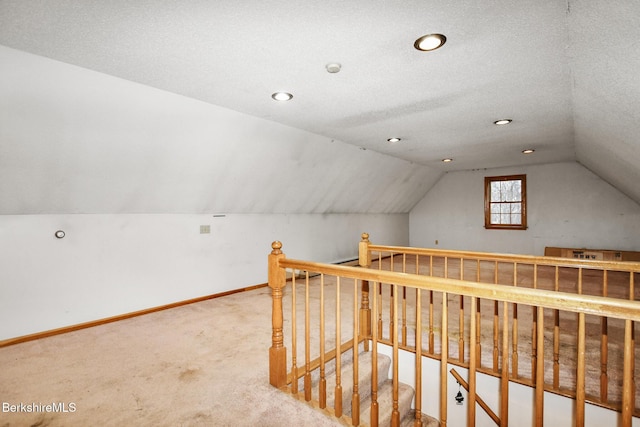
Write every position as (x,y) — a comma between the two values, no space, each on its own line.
(352,262)
(79,326)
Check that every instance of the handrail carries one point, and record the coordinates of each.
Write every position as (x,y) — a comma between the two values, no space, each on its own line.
(587,304)
(626,266)
(544,298)
(578,283)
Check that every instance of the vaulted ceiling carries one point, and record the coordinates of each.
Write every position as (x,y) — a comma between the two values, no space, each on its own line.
(567,73)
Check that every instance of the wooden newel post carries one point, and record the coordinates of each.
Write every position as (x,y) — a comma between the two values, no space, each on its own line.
(277,352)
(364,258)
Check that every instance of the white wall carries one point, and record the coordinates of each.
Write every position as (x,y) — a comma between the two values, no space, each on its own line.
(130,172)
(113,264)
(568,206)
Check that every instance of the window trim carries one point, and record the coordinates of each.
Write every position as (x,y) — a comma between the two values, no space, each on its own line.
(487,202)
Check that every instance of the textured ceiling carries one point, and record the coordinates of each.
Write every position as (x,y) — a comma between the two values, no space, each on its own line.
(566,72)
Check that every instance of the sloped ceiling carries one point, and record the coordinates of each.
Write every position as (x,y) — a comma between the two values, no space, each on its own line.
(605,64)
(565,72)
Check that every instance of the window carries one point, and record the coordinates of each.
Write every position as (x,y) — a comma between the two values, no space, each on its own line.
(505,202)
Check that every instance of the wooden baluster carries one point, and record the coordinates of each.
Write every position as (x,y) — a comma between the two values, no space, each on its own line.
(294,339)
(514,339)
(628,380)
(514,343)
(580,281)
(580,372)
(539,378)
(633,344)
(431,315)
(374,369)
(471,415)
(364,260)
(444,360)
(307,342)
(431,320)
(628,383)
(478,322)
(418,381)
(633,363)
(504,373)
(355,395)
(365,315)
(604,345)
(534,329)
(461,319)
(446,267)
(277,351)
(404,303)
(580,375)
(395,414)
(392,311)
(379,310)
(418,342)
(337,402)
(322,393)
(556,337)
(444,340)
(404,315)
(496,351)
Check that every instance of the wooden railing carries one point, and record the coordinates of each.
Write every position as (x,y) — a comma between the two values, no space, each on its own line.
(399,292)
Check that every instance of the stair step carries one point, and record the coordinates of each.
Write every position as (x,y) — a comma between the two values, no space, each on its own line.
(385,390)
(385,403)
(330,367)
(364,380)
(426,420)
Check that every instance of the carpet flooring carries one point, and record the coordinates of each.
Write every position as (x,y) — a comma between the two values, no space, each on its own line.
(203,364)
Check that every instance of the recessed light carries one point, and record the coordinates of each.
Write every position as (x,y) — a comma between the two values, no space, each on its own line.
(394,140)
(430,42)
(282,96)
(528,151)
(502,122)
(448,160)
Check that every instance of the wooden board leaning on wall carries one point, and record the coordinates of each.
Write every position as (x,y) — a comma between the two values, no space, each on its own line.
(596,254)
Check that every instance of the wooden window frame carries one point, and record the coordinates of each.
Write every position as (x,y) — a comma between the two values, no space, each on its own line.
(487,202)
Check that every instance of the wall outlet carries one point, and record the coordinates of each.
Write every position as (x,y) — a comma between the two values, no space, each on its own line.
(205,229)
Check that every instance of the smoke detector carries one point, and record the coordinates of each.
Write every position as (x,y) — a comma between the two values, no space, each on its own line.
(333,68)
